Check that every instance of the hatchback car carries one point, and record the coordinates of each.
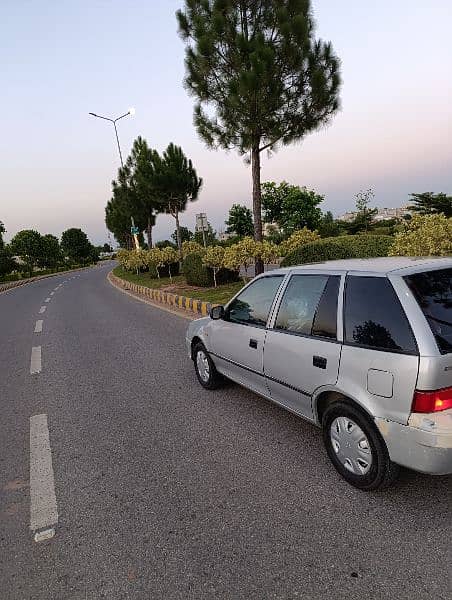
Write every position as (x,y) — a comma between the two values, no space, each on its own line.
(361,348)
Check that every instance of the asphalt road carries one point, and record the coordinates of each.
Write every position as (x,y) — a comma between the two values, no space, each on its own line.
(167,491)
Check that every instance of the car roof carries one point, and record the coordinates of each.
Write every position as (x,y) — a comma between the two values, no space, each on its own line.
(384,265)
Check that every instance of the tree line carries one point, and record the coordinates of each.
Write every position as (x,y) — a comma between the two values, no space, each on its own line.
(36,251)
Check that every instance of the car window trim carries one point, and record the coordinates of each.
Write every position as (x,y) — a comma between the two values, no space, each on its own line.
(356,345)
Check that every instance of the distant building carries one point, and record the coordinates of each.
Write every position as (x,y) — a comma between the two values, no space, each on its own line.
(382,214)
(223,236)
(392,213)
(347,217)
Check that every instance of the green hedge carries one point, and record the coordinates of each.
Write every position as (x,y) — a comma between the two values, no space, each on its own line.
(197,274)
(346,246)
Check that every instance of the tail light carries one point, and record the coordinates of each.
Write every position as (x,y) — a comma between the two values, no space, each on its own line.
(432,401)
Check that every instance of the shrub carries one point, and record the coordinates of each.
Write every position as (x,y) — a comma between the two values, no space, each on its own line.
(424,235)
(347,246)
(214,259)
(189,247)
(298,238)
(196,273)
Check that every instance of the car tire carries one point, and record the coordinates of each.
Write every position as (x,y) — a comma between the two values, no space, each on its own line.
(206,372)
(356,448)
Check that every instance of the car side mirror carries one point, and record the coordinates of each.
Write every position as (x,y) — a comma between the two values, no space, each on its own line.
(217,312)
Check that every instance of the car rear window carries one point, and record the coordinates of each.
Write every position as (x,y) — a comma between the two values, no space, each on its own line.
(433,292)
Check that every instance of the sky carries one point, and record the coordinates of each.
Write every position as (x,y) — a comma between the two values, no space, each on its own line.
(61,59)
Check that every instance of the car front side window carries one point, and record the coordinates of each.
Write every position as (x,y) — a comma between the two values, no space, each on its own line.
(253,305)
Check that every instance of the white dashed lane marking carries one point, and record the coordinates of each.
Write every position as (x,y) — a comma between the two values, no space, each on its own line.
(43,504)
(47,299)
(42,309)
(36,360)
(52,293)
(38,326)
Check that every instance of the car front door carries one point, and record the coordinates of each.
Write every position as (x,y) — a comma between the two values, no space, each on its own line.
(302,352)
(236,342)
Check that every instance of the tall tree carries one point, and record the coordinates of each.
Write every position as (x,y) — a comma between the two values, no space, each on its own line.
(185,234)
(364,213)
(7,264)
(429,203)
(123,205)
(148,201)
(27,244)
(175,182)
(50,251)
(259,76)
(240,221)
(76,245)
(290,206)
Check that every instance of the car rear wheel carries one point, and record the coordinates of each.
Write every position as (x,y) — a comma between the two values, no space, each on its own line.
(206,372)
(356,448)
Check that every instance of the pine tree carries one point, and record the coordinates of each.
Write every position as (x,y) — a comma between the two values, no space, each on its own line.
(259,76)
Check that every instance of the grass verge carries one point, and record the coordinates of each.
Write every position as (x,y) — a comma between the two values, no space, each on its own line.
(218,295)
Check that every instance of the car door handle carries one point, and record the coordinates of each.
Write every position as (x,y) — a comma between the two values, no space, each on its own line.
(253,343)
(319,361)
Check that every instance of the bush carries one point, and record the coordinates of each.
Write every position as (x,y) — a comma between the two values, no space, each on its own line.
(347,246)
(198,274)
(424,235)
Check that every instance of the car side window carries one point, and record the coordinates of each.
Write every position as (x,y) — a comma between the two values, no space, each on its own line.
(374,317)
(253,305)
(309,306)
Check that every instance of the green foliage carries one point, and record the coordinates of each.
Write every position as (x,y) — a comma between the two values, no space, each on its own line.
(297,239)
(328,226)
(190,247)
(358,246)
(240,221)
(198,274)
(27,245)
(176,182)
(51,255)
(185,235)
(259,76)
(76,246)
(165,243)
(134,195)
(7,263)
(290,206)
(214,258)
(364,214)
(429,203)
(424,235)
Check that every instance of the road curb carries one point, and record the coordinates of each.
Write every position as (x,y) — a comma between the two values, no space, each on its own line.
(183,303)
(5,287)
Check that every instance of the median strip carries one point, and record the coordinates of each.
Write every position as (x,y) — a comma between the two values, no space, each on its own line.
(176,301)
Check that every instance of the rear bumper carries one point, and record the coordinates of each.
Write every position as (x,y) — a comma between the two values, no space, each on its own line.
(424,445)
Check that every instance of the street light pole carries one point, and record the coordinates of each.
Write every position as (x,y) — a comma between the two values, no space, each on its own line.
(130,112)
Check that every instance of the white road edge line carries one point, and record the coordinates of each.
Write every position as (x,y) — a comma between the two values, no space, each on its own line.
(52,293)
(38,326)
(43,504)
(35,362)
(47,299)
(42,309)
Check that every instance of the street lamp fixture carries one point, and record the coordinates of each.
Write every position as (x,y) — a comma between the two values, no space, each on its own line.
(130,112)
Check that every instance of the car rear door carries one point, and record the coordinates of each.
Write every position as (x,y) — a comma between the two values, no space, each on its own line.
(236,342)
(302,351)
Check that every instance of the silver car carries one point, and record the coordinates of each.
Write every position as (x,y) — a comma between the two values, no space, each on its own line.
(361,348)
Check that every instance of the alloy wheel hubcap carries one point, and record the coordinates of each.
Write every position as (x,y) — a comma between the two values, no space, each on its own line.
(202,364)
(351,445)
